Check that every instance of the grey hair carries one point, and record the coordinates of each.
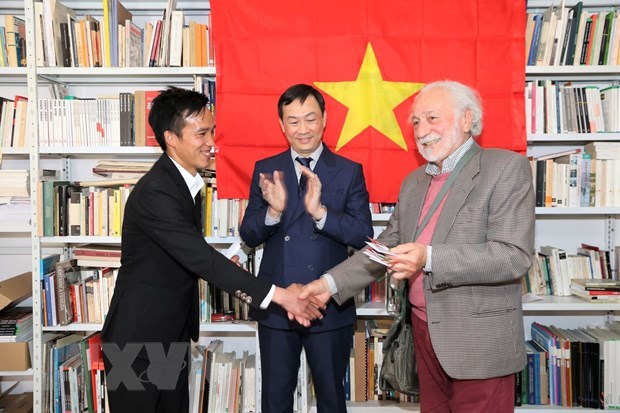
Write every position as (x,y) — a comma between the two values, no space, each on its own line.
(465,98)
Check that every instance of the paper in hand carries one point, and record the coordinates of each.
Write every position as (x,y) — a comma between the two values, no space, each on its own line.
(378,252)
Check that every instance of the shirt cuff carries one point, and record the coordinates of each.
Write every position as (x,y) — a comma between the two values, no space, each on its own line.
(321,222)
(268,298)
(428,267)
(271,221)
(333,289)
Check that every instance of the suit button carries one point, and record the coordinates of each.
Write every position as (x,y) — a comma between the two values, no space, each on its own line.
(313,237)
(287,238)
(310,268)
(238,293)
(248,300)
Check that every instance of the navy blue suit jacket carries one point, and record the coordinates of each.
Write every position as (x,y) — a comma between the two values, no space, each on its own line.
(295,251)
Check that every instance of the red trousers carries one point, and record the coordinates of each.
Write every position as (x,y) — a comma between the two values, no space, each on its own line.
(440,393)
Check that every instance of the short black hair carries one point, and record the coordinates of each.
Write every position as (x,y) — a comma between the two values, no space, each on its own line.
(170,109)
(299,92)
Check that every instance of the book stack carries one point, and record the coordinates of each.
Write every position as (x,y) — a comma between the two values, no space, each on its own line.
(94,255)
(598,291)
(16,324)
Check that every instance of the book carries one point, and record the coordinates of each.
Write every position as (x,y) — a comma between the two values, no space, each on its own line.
(63,298)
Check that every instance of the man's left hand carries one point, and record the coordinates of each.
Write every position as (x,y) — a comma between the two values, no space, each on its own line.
(312,199)
(409,259)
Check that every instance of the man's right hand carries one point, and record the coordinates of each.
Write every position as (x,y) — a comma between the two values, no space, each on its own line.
(274,192)
(319,289)
(304,311)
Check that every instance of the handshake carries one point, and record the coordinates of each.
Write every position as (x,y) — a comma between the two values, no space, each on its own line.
(303,303)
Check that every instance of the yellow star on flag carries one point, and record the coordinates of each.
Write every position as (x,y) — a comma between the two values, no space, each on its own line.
(371,101)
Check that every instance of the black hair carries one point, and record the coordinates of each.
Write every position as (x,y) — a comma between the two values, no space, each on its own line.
(299,92)
(171,108)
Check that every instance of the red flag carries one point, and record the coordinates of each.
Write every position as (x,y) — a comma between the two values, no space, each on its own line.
(369,58)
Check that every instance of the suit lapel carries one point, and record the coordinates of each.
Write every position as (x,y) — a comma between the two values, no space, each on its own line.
(179,182)
(415,201)
(459,191)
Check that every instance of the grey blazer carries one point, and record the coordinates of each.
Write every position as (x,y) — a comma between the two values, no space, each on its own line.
(482,246)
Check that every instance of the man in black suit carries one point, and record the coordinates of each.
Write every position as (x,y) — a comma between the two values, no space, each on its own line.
(155,302)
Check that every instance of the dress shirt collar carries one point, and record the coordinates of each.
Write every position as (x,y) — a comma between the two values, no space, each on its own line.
(194,183)
(450,162)
(314,155)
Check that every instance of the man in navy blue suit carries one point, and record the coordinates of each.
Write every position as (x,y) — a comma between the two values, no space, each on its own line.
(305,234)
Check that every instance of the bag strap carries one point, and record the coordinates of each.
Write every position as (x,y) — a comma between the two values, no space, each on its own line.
(405,310)
(445,187)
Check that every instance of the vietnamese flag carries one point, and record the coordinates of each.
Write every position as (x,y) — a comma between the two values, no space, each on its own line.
(368,58)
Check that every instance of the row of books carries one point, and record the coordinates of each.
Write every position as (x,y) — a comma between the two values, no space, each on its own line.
(381,207)
(563,107)
(576,179)
(13,117)
(73,376)
(70,293)
(13,42)
(221,382)
(553,270)
(83,209)
(64,40)
(70,209)
(572,36)
(111,121)
(572,367)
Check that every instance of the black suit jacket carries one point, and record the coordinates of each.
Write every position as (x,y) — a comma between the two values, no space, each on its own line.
(163,254)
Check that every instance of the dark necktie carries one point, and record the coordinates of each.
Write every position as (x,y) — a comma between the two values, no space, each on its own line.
(302,179)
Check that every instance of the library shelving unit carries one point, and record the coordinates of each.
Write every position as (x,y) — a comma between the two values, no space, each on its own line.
(14,236)
(565,227)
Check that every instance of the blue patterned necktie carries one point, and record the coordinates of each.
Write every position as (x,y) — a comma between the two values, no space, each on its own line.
(302,179)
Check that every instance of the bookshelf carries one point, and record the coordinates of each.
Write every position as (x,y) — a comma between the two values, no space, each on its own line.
(563,227)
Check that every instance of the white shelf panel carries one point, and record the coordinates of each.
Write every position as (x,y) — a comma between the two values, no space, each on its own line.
(573,70)
(152,76)
(394,407)
(75,327)
(107,151)
(13,74)
(222,240)
(21,152)
(232,327)
(117,240)
(4,373)
(376,309)
(81,240)
(377,405)
(558,138)
(578,211)
(14,227)
(548,303)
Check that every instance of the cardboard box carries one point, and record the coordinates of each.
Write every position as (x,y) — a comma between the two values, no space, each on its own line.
(15,356)
(15,289)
